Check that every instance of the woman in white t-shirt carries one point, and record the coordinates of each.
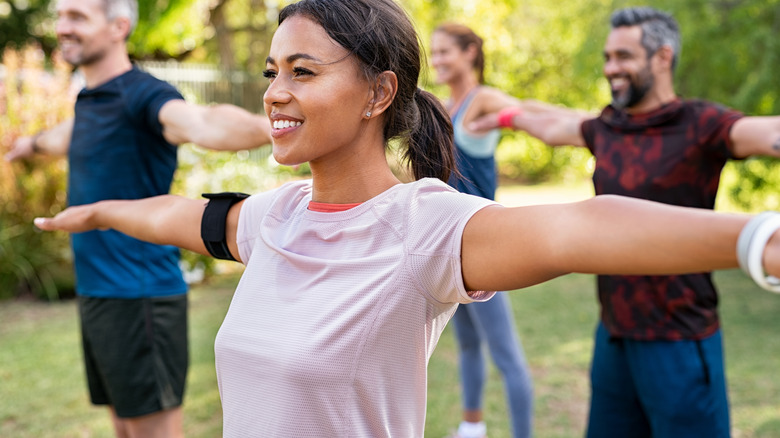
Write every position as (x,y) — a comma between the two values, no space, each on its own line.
(351,277)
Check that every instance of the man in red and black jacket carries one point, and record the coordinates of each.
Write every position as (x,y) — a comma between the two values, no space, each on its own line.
(658,368)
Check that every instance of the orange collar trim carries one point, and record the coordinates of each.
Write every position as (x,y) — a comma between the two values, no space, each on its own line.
(322,207)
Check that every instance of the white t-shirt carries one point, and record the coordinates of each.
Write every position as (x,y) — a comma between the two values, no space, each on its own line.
(337,314)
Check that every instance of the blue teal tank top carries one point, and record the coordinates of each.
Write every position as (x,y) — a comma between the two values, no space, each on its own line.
(475,157)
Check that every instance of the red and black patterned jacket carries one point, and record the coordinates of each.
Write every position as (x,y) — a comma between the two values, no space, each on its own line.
(673,155)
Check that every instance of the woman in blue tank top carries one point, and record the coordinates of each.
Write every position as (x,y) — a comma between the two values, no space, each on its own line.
(458,59)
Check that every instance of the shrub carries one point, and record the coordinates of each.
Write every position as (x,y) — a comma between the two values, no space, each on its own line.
(524,159)
(32,98)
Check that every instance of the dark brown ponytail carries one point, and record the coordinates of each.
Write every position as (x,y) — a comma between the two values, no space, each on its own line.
(430,146)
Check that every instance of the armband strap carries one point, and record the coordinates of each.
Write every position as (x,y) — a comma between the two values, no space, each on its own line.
(212,225)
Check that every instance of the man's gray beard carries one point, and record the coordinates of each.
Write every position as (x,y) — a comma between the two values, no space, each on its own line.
(634,94)
(87,59)
(621,100)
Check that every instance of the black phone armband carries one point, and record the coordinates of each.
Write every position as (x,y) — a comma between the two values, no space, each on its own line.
(212,225)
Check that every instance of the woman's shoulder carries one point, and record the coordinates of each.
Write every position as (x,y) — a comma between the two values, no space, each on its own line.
(285,197)
(487,92)
(416,197)
(299,187)
(484,100)
(430,197)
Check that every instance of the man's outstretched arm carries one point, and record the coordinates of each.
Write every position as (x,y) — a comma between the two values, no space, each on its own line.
(220,127)
(756,136)
(555,126)
(54,141)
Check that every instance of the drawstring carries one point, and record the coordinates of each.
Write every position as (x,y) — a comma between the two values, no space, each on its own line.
(703,362)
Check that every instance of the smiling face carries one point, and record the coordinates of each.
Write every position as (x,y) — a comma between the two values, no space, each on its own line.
(84,33)
(448,59)
(627,67)
(318,96)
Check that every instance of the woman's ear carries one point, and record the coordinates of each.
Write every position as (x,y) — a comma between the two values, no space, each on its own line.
(383,93)
(472,50)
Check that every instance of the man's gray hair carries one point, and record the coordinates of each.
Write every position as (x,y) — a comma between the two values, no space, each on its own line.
(658,29)
(122,8)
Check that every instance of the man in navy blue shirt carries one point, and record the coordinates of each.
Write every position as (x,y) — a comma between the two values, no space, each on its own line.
(121,145)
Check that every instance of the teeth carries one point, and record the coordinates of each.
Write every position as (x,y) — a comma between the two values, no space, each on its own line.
(282,124)
(618,82)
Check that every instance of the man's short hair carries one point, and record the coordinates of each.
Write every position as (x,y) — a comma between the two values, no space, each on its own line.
(658,29)
(122,8)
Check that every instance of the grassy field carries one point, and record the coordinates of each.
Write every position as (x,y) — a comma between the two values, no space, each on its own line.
(43,393)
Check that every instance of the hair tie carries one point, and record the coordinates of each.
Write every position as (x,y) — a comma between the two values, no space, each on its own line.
(506,115)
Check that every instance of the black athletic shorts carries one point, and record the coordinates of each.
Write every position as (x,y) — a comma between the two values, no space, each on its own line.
(135,352)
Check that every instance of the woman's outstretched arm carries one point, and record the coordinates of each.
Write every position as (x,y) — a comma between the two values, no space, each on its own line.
(511,248)
(164,220)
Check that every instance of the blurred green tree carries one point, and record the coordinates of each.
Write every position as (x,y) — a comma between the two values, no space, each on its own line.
(538,49)
(26,22)
(552,51)
(31,262)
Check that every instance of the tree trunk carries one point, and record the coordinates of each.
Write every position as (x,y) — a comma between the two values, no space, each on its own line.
(224,36)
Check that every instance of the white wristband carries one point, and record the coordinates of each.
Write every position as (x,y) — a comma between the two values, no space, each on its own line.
(750,249)
(746,235)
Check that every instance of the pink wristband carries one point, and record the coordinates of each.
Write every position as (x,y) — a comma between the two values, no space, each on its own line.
(506,115)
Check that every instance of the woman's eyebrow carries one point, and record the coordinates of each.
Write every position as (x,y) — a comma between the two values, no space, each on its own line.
(293,58)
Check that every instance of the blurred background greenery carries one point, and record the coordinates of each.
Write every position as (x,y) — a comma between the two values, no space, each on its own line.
(538,49)
(549,51)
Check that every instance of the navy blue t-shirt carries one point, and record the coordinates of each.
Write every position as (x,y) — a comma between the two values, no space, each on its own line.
(117,151)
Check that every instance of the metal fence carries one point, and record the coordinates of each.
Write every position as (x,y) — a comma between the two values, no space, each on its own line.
(204,83)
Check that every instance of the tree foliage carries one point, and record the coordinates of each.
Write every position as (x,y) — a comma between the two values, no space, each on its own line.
(32,99)
(550,51)
(168,29)
(535,48)
(26,22)
(538,49)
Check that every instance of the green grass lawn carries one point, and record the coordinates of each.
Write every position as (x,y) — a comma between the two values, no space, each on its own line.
(42,385)
(43,393)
